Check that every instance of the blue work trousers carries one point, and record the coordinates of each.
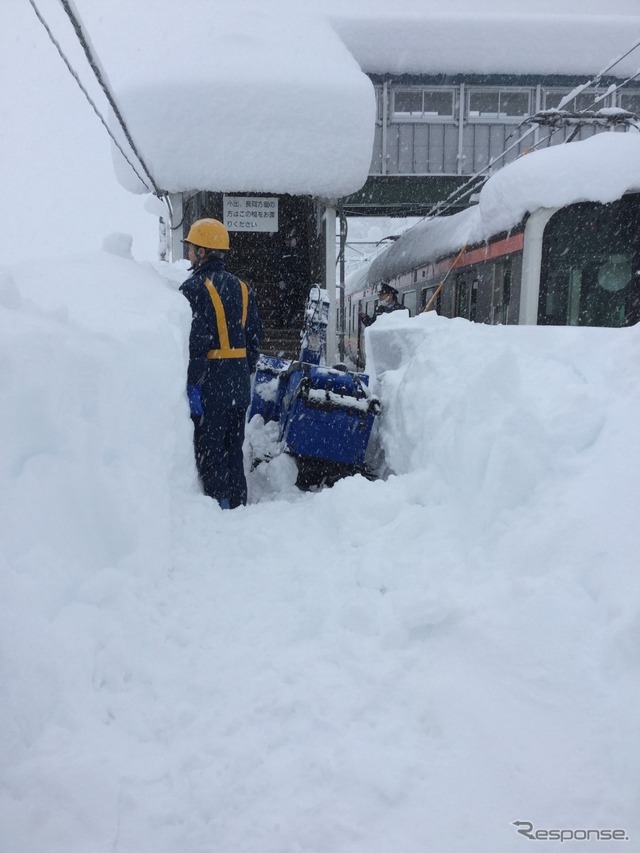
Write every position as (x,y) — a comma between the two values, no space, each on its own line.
(217,437)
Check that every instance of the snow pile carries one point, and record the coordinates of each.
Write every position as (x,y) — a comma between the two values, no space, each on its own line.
(601,168)
(403,665)
(84,415)
(232,97)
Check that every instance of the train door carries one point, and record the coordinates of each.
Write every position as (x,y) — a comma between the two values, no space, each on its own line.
(461,296)
(466,295)
(501,293)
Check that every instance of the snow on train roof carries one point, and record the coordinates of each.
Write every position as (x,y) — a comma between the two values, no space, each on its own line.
(601,169)
(229,96)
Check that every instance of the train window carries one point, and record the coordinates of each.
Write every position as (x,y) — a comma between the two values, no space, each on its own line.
(426,296)
(615,273)
(409,300)
(591,265)
(474,299)
(461,297)
(501,292)
(501,104)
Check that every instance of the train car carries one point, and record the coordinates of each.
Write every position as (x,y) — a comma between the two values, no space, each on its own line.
(553,240)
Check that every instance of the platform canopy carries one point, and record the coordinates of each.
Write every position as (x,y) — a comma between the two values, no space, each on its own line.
(569,37)
(272,95)
(251,96)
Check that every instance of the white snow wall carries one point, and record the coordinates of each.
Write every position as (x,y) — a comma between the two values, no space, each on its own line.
(94,434)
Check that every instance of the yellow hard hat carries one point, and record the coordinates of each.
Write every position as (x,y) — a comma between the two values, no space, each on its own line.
(208,233)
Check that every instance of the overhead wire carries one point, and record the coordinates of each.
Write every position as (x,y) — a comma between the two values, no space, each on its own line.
(476,180)
(612,91)
(456,196)
(84,91)
(98,73)
(595,80)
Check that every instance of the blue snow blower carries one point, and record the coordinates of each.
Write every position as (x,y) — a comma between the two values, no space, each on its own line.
(325,414)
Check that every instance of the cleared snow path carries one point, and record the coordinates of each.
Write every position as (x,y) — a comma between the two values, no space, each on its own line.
(407,665)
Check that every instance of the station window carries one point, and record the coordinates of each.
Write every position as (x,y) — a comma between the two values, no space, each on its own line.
(498,104)
(433,104)
(407,102)
(584,101)
(630,101)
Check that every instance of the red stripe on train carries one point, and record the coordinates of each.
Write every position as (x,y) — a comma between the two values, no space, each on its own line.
(514,243)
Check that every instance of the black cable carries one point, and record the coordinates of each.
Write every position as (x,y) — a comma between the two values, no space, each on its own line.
(458,195)
(610,92)
(84,91)
(601,74)
(93,64)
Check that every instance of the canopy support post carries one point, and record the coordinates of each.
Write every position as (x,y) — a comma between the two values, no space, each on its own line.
(330,280)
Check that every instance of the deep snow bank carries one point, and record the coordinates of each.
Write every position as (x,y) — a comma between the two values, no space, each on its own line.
(496,410)
(92,352)
(405,665)
(93,428)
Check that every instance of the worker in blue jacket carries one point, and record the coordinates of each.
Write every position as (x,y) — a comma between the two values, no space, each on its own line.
(223,351)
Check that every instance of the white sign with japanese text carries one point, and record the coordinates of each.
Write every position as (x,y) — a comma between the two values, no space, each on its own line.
(246,213)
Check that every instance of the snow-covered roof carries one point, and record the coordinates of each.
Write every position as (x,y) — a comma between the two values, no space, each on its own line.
(467,37)
(236,96)
(272,96)
(601,168)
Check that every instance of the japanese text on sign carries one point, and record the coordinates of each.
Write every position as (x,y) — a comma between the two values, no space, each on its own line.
(246,213)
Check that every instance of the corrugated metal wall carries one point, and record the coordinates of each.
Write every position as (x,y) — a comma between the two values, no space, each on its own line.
(458,130)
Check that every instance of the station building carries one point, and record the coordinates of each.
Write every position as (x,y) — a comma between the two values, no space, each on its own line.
(312,116)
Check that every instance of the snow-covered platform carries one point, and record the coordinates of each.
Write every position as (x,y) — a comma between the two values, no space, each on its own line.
(402,665)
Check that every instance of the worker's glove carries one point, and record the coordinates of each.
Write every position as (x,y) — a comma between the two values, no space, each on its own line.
(194,393)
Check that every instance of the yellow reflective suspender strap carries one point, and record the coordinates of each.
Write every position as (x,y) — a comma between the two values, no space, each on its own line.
(225,350)
(245,302)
